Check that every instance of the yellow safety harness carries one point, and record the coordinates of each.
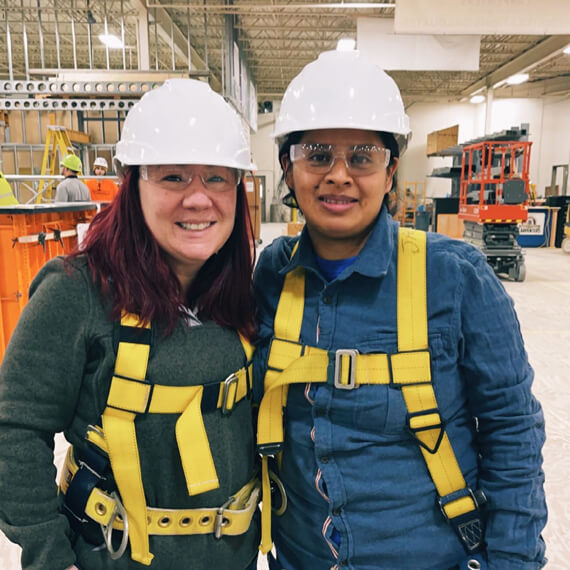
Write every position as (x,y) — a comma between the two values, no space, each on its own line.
(132,393)
(291,362)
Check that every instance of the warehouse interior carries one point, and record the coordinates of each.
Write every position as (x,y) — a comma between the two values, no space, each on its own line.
(469,73)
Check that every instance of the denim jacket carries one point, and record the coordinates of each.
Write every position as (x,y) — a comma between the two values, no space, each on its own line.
(359,493)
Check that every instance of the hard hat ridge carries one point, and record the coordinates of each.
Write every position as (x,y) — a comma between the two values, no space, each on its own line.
(184,122)
(342,89)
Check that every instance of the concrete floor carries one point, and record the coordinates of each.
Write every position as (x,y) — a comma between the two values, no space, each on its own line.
(543,306)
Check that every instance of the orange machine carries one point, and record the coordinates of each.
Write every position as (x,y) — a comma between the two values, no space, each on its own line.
(493,200)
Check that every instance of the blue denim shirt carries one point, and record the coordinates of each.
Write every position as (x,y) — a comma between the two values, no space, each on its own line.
(359,493)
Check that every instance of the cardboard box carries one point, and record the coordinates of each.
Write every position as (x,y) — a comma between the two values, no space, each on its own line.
(294,228)
(442,139)
(450,225)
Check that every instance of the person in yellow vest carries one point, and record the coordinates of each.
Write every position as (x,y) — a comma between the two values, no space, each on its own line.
(144,364)
(71,189)
(394,385)
(7,197)
(102,190)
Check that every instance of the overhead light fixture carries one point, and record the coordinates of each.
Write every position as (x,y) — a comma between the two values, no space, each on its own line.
(566,50)
(346,44)
(476,99)
(517,78)
(111,41)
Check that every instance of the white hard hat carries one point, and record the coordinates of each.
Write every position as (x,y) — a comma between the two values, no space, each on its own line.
(100,161)
(183,122)
(342,90)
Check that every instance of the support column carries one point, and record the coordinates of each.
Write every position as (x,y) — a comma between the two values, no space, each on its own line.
(489,110)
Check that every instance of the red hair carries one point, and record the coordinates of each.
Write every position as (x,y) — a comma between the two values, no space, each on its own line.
(129,266)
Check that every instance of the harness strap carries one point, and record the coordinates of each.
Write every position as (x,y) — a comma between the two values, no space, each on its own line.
(232,519)
(457,502)
(130,394)
(302,364)
(410,369)
(120,436)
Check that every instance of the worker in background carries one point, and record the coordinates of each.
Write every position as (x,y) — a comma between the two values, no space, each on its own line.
(7,197)
(137,349)
(71,189)
(396,387)
(102,190)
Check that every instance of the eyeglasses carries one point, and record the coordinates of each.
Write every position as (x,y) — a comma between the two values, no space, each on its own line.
(360,160)
(177,177)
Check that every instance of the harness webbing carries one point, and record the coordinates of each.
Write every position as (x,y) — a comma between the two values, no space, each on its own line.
(290,362)
(131,393)
(121,439)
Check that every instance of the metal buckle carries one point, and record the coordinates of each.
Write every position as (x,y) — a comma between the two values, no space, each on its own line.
(228,382)
(219,523)
(108,529)
(352,352)
(478,496)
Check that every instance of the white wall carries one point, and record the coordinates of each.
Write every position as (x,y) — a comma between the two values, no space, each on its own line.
(548,119)
(555,147)
(264,152)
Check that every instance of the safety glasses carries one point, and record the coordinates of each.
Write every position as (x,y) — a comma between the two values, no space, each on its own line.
(360,160)
(177,177)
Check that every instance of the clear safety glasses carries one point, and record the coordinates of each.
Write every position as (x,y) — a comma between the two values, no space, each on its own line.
(176,177)
(360,160)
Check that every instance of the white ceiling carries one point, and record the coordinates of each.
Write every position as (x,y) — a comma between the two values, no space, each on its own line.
(277,40)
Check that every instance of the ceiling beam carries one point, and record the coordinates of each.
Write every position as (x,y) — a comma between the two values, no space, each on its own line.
(553,86)
(550,47)
(164,26)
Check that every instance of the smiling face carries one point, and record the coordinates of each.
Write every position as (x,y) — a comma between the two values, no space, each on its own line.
(190,224)
(340,208)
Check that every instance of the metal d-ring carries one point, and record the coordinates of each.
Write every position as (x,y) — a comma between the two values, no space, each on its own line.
(107,529)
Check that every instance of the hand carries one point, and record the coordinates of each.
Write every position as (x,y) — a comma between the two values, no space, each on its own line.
(73,567)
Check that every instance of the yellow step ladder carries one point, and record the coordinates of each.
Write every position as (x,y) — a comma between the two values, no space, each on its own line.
(57,139)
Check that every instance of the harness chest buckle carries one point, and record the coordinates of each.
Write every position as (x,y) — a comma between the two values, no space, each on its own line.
(351,353)
(227,402)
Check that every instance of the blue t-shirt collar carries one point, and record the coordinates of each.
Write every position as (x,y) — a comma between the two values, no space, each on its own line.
(373,260)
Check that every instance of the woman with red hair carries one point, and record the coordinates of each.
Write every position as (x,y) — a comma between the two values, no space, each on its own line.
(146,365)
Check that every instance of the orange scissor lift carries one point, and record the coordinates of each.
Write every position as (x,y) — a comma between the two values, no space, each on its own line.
(493,200)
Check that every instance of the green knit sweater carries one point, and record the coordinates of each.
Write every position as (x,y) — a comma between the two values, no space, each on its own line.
(55,377)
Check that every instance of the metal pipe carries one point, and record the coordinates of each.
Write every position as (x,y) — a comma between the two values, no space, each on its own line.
(123,35)
(172,55)
(189,45)
(73,37)
(9,47)
(106,34)
(89,42)
(155,42)
(103,126)
(205,37)
(41,35)
(25,41)
(265,8)
(56,34)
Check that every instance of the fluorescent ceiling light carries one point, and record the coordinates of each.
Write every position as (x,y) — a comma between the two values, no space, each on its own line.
(346,44)
(567,49)
(477,99)
(111,41)
(517,79)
